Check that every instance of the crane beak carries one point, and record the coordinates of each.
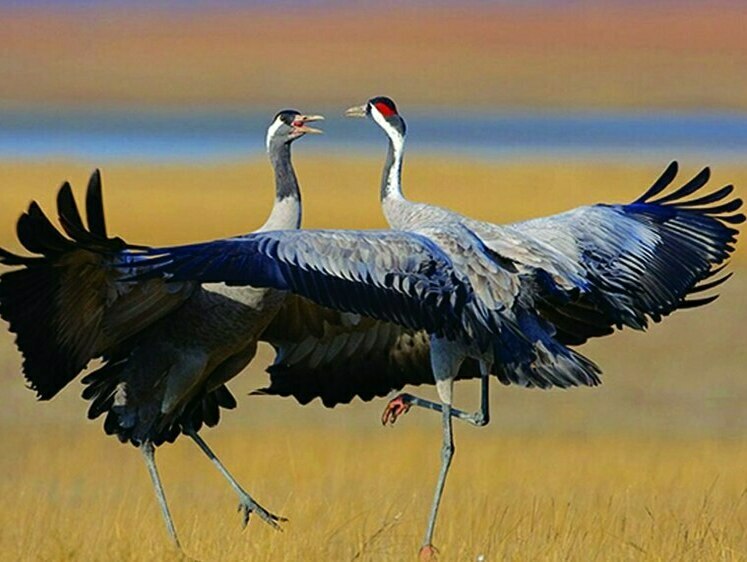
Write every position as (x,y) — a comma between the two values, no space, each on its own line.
(356,111)
(299,125)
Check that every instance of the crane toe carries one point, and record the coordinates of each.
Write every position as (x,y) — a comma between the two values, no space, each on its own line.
(395,408)
(428,553)
(247,506)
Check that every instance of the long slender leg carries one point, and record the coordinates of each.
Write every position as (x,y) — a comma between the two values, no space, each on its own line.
(149,454)
(402,403)
(428,551)
(483,418)
(446,358)
(247,505)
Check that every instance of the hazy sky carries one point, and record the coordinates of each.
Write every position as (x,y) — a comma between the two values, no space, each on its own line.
(190,4)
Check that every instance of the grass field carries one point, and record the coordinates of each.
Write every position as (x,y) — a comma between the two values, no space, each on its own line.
(652,465)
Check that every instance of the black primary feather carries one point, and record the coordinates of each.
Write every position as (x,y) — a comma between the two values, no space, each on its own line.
(95,206)
(661,183)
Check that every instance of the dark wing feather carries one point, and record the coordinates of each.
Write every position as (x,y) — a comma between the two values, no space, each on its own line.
(95,206)
(666,178)
(326,354)
(64,303)
(717,195)
(629,263)
(698,181)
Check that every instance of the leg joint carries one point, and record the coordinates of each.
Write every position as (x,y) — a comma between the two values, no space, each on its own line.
(448,450)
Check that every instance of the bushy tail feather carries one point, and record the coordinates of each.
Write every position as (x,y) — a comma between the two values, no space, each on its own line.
(106,390)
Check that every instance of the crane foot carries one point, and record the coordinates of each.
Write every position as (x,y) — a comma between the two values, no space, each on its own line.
(247,506)
(428,553)
(396,407)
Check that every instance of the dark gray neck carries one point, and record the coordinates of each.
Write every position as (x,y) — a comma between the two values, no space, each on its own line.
(286,211)
(286,183)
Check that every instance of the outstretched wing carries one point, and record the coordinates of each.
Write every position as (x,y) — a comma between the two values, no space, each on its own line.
(393,276)
(338,356)
(539,284)
(606,266)
(63,303)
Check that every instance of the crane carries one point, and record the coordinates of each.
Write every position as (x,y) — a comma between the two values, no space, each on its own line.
(167,349)
(575,248)
(512,300)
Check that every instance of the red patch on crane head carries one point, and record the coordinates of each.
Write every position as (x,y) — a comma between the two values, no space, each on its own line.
(385,106)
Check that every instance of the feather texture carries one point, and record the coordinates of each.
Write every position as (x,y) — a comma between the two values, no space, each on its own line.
(62,299)
(68,306)
(323,353)
(398,277)
(583,273)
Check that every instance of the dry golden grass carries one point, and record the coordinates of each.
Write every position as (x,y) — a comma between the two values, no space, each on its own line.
(72,494)
(652,465)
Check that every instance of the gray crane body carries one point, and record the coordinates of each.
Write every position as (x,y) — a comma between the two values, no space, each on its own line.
(175,375)
(189,355)
(168,349)
(467,242)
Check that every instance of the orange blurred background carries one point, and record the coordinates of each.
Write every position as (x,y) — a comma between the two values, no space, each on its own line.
(672,55)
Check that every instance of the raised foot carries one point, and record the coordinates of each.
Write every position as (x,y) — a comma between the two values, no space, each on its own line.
(395,408)
(247,506)
(428,553)
(478,420)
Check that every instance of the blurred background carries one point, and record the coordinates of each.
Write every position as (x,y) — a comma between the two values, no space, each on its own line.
(514,110)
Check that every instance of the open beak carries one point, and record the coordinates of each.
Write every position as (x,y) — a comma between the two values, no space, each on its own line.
(356,111)
(299,125)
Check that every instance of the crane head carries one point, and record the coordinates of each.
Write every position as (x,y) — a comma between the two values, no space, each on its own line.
(289,125)
(384,112)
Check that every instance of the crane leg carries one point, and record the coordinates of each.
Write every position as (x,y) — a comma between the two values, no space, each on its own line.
(428,551)
(247,505)
(402,403)
(484,415)
(446,358)
(149,454)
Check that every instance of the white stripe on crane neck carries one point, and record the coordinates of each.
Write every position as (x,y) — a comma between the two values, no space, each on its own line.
(272,130)
(394,182)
